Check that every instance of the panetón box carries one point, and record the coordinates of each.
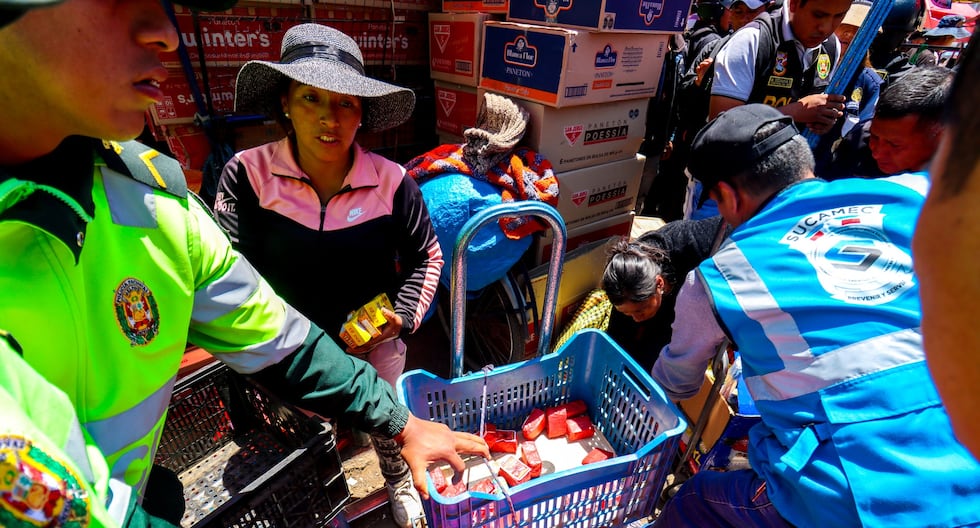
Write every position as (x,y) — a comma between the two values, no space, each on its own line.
(566,67)
(456,107)
(582,136)
(661,16)
(454,46)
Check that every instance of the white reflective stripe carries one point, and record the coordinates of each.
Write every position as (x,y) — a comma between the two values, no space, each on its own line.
(226,294)
(852,361)
(119,496)
(118,432)
(915,181)
(75,449)
(294,330)
(131,203)
(760,306)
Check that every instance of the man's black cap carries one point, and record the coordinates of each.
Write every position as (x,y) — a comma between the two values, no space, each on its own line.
(724,147)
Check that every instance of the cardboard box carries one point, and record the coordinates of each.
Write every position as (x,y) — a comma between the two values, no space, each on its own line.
(662,16)
(456,107)
(178,105)
(581,273)
(724,426)
(583,136)
(455,46)
(565,67)
(600,191)
(241,34)
(615,226)
(475,6)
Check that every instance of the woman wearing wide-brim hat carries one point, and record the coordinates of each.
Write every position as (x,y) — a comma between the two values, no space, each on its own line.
(327,223)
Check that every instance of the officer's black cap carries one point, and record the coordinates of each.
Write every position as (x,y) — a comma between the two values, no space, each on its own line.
(724,147)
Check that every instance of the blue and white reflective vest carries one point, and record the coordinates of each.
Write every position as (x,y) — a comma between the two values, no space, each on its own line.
(819,293)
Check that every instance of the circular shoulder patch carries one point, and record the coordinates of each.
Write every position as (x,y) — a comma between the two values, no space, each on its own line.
(37,490)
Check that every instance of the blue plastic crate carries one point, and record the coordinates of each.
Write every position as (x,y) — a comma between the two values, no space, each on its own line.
(641,424)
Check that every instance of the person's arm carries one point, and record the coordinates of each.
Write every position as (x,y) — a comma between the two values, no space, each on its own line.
(419,253)
(734,71)
(420,260)
(694,341)
(238,318)
(44,448)
(819,112)
(226,200)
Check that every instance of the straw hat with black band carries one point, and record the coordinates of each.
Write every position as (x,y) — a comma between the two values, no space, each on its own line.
(325,58)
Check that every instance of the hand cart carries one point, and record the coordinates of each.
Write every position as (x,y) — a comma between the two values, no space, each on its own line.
(626,406)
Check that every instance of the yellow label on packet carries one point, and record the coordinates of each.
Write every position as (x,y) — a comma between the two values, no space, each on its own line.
(363,324)
(373,309)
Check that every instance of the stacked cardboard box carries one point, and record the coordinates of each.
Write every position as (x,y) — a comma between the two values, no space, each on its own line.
(585,71)
(391,36)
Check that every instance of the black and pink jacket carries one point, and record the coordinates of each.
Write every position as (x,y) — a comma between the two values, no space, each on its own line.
(373,236)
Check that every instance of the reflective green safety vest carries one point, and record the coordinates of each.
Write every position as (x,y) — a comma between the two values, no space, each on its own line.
(105,313)
(50,473)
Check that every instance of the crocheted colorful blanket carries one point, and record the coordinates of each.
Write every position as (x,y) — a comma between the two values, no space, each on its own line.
(524,175)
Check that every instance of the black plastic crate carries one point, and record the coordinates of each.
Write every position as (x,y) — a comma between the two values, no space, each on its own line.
(248,459)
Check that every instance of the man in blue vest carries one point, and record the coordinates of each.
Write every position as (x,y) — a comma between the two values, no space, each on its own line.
(815,287)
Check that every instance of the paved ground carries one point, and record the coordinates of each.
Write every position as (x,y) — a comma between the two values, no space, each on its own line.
(428,349)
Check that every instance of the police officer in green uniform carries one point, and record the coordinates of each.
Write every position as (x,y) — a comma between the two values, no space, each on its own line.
(785,60)
(109,266)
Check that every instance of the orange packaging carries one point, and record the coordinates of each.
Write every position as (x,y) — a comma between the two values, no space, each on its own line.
(531,457)
(579,427)
(513,470)
(505,441)
(556,417)
(364,323)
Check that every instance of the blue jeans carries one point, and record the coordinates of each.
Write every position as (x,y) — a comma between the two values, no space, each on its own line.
(715,498)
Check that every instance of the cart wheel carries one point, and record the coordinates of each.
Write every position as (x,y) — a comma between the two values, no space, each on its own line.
(496,324)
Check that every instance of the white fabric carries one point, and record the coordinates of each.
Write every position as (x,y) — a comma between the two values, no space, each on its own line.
(695,338)
(388,359)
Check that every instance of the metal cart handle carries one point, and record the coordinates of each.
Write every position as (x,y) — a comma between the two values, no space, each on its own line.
(458,282)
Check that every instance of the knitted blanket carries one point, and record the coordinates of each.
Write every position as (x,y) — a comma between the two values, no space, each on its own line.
(522,175)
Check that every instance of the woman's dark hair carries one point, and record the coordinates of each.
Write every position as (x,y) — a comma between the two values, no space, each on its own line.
(282,89)
(631,271)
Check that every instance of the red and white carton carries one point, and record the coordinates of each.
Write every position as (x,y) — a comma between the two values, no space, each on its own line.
(601,191)
(455,46)
(475,6)
(583,136)
(178,105)
(613,226)
(456,107)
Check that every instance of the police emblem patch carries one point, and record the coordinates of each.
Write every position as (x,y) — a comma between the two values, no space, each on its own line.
(38,490)
(780,67)
(823,65)
(856,95)
(136,311)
